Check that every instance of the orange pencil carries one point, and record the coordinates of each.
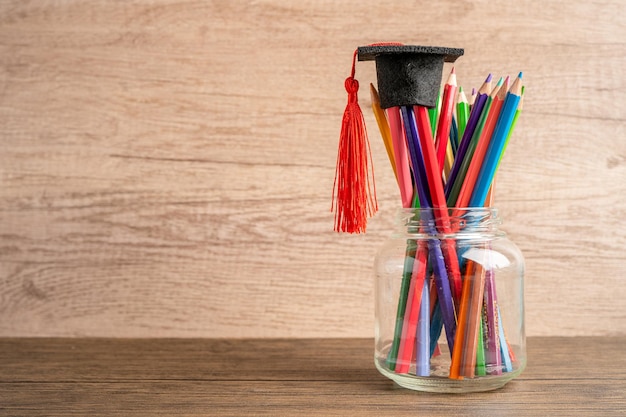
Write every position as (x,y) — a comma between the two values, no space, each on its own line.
(477,291)
(463,362)
(459,345)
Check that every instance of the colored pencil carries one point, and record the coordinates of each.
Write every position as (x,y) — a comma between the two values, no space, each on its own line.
(517,113)
(407,339)
(462,112)
(475,113)
(412,309)
(454,135)
(400,152)
(433,113)
(472,98)
(445,119)
(423,336)
(422,179)
(483,141)
(459,345)
(453,192)
(440,212)
(493,356)
(383,127)
(409,257)
(496,145)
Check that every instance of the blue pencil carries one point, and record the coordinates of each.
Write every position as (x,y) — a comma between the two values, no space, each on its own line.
(496,145)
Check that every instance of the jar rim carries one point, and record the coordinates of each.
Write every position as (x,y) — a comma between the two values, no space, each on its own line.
(435,221)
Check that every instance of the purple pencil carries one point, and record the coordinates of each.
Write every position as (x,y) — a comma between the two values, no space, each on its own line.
(477,109)
(434,245)
(422,366)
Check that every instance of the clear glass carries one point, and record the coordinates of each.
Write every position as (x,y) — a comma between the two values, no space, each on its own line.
(449,302)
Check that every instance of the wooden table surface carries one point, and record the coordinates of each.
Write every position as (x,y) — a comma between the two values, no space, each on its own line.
(275,377)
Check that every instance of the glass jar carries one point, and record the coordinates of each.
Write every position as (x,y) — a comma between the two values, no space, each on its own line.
(449,296)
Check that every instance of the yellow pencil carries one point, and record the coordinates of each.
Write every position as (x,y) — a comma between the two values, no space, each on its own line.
(383,126)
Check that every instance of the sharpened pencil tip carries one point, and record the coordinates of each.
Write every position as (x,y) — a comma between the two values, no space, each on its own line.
(520,75)
(488,78)
(452,72)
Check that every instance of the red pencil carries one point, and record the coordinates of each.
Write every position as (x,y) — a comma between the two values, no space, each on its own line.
(445,119)
(409,327)
(440,209)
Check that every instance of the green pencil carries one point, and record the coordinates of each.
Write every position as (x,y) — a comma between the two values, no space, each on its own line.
(462,112)
(480,352)
(433,114)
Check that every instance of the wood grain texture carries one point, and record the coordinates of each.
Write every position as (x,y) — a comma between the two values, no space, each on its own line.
(282,377)
(166,166)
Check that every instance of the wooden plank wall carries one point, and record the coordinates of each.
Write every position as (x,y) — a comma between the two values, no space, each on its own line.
(166,167)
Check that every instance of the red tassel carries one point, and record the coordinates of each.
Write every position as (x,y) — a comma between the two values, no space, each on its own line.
(353,198)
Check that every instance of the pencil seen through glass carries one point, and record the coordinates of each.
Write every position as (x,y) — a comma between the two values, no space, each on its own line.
(449,283)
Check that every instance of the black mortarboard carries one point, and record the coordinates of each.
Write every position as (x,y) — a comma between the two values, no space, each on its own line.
(408,75)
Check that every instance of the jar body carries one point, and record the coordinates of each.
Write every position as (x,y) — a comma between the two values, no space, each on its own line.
(449,303)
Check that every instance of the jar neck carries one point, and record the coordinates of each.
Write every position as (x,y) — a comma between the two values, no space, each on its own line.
(453,221)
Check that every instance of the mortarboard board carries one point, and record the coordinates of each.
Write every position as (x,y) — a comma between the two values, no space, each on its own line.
(408,75)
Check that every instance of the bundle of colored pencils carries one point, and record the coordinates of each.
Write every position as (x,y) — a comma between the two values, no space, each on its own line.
(445,159)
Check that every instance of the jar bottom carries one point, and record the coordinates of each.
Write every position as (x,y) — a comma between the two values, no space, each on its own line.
(439,382)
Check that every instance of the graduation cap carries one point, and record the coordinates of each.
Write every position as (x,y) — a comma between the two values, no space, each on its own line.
(407,75)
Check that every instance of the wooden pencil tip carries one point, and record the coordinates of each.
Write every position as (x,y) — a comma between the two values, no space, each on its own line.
(488,78)
(452,78)
(520,75)
(374,93)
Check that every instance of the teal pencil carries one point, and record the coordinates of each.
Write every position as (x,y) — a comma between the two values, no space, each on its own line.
(508,136)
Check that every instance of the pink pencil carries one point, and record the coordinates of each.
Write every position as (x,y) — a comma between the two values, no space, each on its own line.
(401,157)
